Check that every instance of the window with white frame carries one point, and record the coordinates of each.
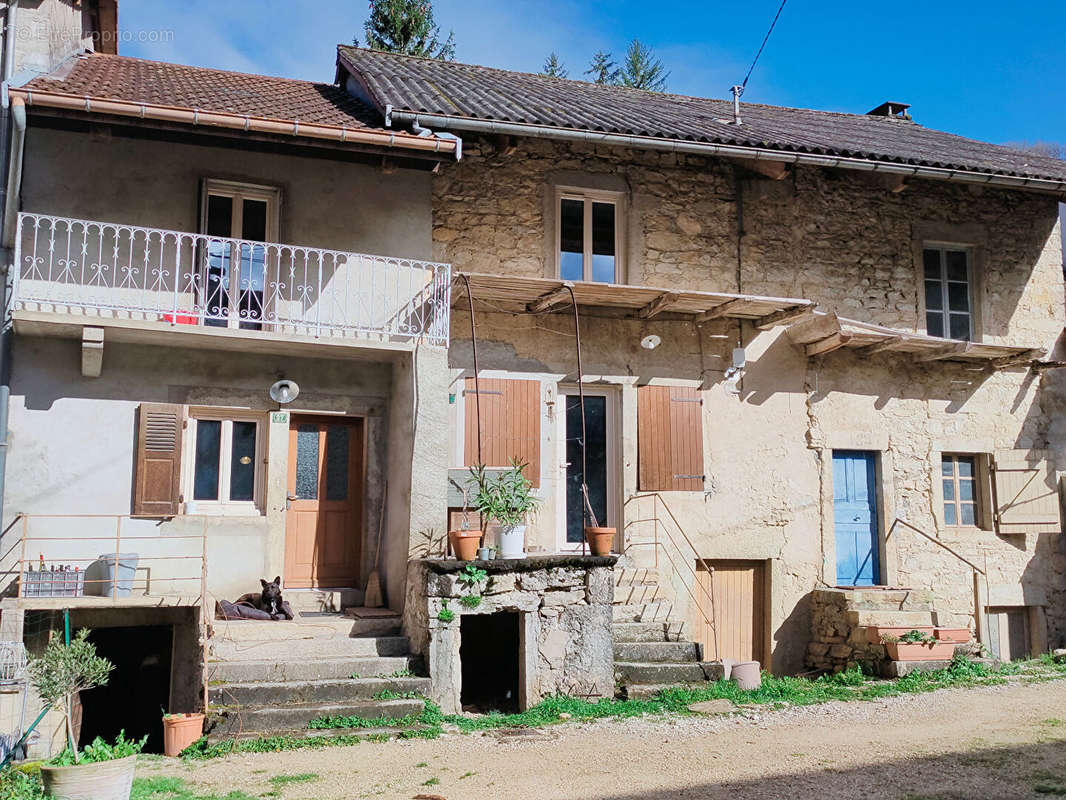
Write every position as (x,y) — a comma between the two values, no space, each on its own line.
(589,232)
(948,291)
(965,490)
(225,468)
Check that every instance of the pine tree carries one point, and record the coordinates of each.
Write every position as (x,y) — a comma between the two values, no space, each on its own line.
(602,68)
(554,68)
(641,69)
(406,27)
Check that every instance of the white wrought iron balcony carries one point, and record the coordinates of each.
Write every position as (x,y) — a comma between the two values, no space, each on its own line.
(109,270)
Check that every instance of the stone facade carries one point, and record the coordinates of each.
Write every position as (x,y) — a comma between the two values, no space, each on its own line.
(840,238)
(564,608)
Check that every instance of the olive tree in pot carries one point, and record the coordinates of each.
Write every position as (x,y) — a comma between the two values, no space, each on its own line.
(101,771)
(506,498)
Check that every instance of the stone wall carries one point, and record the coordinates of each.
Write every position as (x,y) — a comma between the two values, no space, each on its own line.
(564,607)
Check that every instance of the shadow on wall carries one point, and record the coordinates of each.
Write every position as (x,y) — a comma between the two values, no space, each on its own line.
(1043,577)
(792,636)
(1036,770)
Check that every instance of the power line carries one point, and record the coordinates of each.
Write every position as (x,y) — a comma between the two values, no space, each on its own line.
(764,41)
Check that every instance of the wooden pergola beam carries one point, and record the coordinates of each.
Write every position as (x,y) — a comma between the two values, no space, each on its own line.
(783,317)
(660,303)
(828,344)
(1028,358)
(550,298)
(944,352)
(888,344)
(721,310)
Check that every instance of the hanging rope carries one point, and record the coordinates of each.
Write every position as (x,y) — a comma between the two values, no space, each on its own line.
(473,344)
(586,512)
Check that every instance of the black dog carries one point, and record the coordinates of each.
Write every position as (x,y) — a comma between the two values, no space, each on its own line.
(269,600)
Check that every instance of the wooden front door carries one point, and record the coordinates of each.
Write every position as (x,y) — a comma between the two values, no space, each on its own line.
(323,520)
(855,518)
(738,612)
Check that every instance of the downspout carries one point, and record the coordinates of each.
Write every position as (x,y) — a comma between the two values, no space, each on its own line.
(12,139)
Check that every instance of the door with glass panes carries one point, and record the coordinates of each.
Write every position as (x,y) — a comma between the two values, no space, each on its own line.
(324,502)
(599,470)
(233,281)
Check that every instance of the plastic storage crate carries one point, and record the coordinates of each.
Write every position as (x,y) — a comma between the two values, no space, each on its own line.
(53,583)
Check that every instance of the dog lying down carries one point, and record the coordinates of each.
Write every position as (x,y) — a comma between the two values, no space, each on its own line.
(267,604)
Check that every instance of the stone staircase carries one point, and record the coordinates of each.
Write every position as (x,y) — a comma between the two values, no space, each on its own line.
(273,678)
(650,653)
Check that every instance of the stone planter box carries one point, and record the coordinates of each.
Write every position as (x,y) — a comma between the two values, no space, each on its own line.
(956,635)
(916,651)
(875,632)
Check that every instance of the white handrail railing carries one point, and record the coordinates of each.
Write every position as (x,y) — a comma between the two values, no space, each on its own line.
(152,274)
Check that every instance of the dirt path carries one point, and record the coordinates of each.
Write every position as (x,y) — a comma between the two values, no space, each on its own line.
(997,742)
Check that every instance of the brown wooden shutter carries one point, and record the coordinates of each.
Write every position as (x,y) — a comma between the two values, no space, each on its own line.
(510,424)
(669,439)
(1025,493)
(157,465)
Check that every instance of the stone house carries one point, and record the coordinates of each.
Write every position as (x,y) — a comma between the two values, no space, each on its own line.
(815,364)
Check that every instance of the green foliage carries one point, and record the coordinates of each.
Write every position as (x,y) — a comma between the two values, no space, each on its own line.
(470,600)
(641,69)
(301,777)
(506,497)
(431,782)
(445,615)
(20,784)
(554,68)
(470,576)
(406,27)
(165,788)
(100,750)
(602,68)
(64,670)
(911,637)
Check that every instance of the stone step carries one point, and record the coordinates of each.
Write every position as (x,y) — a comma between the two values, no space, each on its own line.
(897,599)
(325,627)
(373,621)
(642,612)
(257,693)
(321,733)
(657,652)
(867,617)
(629,672)
(641,632)
(270,719)
(649,691)
(637,594)
(309,669)
(330,647)
(323,600)
(635,576)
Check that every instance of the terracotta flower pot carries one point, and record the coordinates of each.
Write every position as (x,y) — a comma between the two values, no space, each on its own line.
(600,540)
(465,544)
(181,730)
(875,632)
(104,780)
(917,651)
(956,635)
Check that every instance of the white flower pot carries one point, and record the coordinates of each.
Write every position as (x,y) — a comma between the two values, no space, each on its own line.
(512,541)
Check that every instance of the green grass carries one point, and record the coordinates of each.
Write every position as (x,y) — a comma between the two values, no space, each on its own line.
(431,782)
(161,788)
(300,777)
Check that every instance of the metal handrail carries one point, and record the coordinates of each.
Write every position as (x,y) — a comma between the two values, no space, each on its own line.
(182,278)
(934,540)
(659,500)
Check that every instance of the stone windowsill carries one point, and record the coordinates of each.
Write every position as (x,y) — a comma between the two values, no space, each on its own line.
(527,564)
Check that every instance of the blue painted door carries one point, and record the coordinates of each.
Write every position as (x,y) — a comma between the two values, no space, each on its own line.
(855,517)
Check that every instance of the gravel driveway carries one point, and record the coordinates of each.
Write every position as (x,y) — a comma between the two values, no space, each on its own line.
(994,742)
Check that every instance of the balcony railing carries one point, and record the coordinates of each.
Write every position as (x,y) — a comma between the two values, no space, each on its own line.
(105,269)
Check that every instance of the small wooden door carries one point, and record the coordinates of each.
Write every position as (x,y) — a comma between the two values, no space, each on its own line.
(323,520)
(737,588)
(855,518)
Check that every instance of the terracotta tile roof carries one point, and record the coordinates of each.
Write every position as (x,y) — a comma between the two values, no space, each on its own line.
(136,80)
(482,93)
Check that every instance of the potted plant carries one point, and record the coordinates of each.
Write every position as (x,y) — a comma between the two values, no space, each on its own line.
(876,634)
(102,771)
(506,498)
(956,635)
(464,540)
(599,537)
(916,645)
(181,730)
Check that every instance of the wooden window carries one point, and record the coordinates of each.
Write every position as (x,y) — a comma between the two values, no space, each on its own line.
(157,468)
(1026,494)
(948,292)
(669,438)
(589,232)
(225,465)
(962,491)
(510,424)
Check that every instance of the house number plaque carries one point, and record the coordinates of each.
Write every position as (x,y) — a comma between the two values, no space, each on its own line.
(279,416)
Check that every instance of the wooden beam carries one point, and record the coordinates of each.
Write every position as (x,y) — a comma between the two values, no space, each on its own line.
(660,303)
(775,170)
(880,347)
(1018,359)
(550,298)
(944,352)
(814,328)
(783,317)
(828,344)
(721,310)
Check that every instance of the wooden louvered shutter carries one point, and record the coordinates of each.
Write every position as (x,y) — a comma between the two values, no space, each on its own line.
(157,475)
(1026,494)
(669,439)
(510,424)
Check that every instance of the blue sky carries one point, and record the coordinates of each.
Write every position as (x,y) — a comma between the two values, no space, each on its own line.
(984,69)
